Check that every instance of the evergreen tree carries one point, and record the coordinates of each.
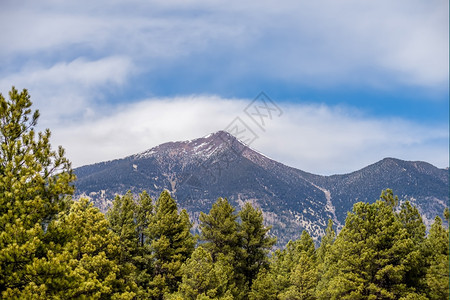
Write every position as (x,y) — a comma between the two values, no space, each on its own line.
(293,272)
(416,259)
(325,244)
(369,258)
(143,260)
(412,221)
(264,286)
(34,180)
(306,244)
(302,273)
(92,254)
(255,243)
(219,230)
(437,276)
(144,214)
(121,219)
(205,279)
(303,279)
(171,243)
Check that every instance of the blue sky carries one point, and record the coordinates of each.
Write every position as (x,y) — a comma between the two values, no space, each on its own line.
(357,81)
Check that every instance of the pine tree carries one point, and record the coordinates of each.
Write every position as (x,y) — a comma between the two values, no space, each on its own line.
(416,259)
(94,255)
(121,219)
(205,279)
(264,287)
(222,239)
(369,258)
(219,230)
(325,244)
(255,243)
(144,213)
(143,260)
(412,221)
(34,181)
(303,279)
(301,269)
(171,243)
(292,274)
(306,244)
(437,275)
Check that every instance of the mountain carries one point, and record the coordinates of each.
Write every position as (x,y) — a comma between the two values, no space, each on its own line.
(198,172)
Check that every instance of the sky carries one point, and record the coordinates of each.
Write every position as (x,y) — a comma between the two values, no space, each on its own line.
(352,81)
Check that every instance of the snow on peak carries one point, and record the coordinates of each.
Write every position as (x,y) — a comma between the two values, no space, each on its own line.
(202,147)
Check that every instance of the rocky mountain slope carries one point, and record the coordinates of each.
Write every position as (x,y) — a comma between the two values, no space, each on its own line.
(197,172)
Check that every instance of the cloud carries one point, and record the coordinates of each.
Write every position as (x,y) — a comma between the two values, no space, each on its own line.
(315,138)
(65,90)
(380,43)
(86,62)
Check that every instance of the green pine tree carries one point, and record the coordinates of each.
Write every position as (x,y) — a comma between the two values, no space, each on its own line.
(412,221)
(326,242)
(171,244)
(205,279)
(255,243)
(325,246)
(34,180)
(301,269)
(370,257)
(219,230)
(264,287)
(121,217)
(303,279)
(93,256)
(143,259)
(437,274)
(222,239)
(293,272)
(416,259)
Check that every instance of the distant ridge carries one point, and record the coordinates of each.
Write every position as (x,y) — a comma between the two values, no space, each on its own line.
(198,171)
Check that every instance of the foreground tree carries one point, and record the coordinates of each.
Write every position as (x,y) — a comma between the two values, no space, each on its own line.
(325,244)
(371,255)
(90,256)
(171,243)
(121,219)
(255,243)
(416,260)
(292,274)
(437,274)
(130,220)
(143,259)
(205,279)
(219,230)
(34,181)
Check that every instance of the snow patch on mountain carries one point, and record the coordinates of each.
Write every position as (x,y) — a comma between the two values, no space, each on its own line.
(329,207)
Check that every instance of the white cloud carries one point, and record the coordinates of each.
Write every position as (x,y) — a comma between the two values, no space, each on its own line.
(315,138)
(68,89)
(321,42)
(70,55)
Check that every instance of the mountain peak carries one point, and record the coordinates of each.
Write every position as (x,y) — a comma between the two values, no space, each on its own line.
(199,171)
(221,136)
(203,146)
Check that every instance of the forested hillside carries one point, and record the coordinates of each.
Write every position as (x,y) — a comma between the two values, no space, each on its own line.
(198,171)
(54,247)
